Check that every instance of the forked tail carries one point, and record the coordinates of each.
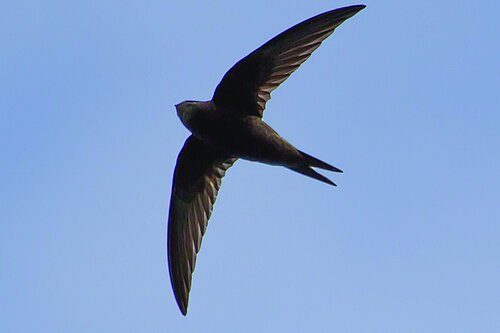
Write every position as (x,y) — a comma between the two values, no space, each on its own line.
(310,161)
(314,162)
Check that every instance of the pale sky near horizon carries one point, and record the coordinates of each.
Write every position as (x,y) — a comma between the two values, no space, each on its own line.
(404,97)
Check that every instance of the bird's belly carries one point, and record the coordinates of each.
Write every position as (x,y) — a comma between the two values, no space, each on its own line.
(248,138)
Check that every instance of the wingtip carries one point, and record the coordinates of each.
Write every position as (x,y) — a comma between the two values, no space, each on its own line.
(360,6)
(183,308)
(182,302)
(354,8)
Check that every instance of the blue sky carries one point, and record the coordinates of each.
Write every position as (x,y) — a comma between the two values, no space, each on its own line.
(403,97)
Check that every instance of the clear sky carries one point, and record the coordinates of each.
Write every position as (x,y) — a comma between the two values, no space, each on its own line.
(404,97)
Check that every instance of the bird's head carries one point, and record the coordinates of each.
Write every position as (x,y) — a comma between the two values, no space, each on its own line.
(185,111)
(188,110)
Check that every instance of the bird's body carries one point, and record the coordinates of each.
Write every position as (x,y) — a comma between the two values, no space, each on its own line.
(230,126)
(247,137)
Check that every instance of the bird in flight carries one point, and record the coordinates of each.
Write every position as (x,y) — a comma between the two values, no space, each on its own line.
(229,127)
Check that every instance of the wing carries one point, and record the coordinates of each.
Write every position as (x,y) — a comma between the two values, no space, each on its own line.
(247,86)
(197,179)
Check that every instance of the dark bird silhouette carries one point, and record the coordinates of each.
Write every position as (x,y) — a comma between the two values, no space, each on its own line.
(229,127)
